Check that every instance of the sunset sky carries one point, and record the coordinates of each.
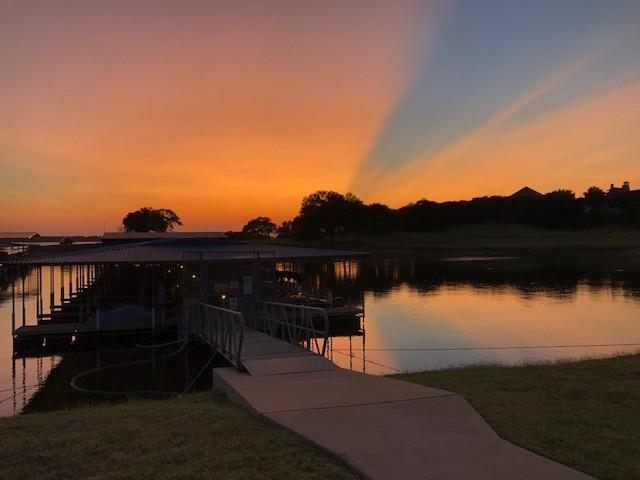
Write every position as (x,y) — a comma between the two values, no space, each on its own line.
(225,110)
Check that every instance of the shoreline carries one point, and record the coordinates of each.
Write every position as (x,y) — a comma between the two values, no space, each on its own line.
(581,413)
(486,241)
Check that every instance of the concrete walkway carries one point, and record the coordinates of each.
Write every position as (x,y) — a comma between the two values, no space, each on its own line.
(383,428)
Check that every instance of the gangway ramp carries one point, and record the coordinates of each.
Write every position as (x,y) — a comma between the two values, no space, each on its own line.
(382,427)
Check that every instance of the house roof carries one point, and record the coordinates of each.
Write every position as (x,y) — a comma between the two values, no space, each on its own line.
(526,192)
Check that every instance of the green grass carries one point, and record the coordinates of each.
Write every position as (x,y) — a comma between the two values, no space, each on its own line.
(202,436)
(487,237)
(584,414)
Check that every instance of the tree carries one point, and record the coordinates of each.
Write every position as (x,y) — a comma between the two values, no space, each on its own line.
(327,213)
(260,227)
(286,229)
(559,209)
(595,197)
(149,219)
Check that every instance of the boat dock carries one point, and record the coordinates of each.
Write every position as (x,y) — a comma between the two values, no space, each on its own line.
(55,338)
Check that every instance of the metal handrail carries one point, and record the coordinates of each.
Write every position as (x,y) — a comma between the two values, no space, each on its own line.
(222,328)
(296,324)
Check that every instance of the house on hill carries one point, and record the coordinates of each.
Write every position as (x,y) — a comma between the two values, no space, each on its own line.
(526,193)
(625,188)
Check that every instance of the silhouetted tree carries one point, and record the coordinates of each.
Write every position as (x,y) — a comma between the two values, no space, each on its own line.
(260,227)
(595,197)
(378,217)
(285,230)
(327,213)
(558,209)
(149,219)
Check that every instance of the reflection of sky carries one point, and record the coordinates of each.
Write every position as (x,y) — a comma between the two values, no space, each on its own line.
(32,370)
(467,317)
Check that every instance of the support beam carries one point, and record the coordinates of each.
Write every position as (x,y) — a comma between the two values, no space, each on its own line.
(38,293)
(13,307)
(52,295)
(61,284)
(24,308)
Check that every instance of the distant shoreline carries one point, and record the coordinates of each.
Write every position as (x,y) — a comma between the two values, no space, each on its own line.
(488,240)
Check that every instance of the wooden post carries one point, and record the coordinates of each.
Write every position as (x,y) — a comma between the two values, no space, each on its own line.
(38,293)
(52,296)
(13,307)
(61,284)
(39,299)
(24,309)
(13,382)
(153,299)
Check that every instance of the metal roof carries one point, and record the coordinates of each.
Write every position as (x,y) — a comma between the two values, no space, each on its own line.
(142,236)
(17,236)
(175,252)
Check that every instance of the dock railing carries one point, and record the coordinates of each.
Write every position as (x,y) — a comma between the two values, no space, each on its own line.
(222,328)
(297,324)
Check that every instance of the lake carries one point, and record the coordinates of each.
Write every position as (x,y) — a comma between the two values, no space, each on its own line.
(420,314)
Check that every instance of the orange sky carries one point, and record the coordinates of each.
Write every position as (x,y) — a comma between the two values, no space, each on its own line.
(224,111)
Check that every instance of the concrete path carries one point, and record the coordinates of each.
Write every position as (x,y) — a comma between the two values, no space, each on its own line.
(383,428)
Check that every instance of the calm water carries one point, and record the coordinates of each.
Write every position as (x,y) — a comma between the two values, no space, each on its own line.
(419,314)
(422,314)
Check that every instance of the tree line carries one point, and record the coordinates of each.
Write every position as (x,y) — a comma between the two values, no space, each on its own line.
(325,214)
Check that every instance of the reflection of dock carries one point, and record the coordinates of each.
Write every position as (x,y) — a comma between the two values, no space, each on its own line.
(345,321)
(61,337)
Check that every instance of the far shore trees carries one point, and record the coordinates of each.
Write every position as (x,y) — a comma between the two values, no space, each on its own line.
(149,219)
(259,227)
(326,214)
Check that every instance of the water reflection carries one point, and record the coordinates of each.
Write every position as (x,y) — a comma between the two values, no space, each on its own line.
(425,314)
(36,382)
(419,314)
(115,374)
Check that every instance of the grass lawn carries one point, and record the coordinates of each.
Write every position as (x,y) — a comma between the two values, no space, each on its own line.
(201,436)
(584,414)
(487,237)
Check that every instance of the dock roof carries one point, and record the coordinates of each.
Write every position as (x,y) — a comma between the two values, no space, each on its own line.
(146,236)
(172,251)
(17,236)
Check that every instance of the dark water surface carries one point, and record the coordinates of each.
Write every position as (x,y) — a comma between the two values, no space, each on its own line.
(420,314)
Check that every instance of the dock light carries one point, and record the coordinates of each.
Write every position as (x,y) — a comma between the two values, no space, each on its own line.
(223,296)
(181,266)
(193,276)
